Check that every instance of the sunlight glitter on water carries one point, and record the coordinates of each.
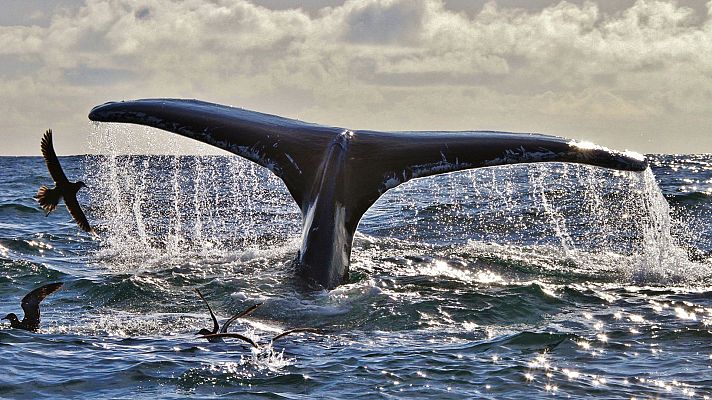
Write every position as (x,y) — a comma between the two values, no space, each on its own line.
(472,303)
(441,268)
(199,221)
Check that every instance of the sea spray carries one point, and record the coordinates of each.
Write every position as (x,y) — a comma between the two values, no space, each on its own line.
(161,206)
(575,216)
(437,333)
(601,222)
(662,257)
(556,218)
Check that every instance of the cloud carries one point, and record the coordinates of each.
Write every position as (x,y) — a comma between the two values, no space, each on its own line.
(383,22)
(624,79)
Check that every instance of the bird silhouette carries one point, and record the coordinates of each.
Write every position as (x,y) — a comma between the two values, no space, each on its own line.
(63,188)
(274,339)
(31,306)
(206,333)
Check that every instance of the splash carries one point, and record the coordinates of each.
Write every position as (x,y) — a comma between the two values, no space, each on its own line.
(662,256)
(159,206)
(557,216)
(554,216)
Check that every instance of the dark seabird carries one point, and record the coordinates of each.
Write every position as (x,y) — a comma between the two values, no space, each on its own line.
(274,339)
(206,333)
(31,306)
(63,188)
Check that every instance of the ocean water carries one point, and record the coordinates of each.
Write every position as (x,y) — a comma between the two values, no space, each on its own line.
(538,281)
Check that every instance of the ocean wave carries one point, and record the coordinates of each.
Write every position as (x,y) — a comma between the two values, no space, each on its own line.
(27,273)
(12,209)
(689,197)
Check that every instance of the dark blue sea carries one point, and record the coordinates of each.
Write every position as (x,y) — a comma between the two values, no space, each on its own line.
(527,281)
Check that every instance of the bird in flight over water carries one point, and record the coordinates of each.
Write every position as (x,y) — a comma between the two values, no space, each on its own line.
(63,188)
(216,327)
(257,346)
(31,306)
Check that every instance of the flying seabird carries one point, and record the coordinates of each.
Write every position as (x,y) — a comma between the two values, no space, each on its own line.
(31,306)
(63,188)
(274,339)
(206,333)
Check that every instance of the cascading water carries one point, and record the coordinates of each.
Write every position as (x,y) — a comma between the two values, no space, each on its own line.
(524,281)
(556,215)
(169,206)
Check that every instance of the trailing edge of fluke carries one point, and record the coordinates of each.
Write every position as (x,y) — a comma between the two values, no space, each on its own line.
(336,174)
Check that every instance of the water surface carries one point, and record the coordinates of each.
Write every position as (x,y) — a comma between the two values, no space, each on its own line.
(548,280)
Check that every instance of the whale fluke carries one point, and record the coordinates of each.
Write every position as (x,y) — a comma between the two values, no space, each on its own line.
(336,174)
(31,307)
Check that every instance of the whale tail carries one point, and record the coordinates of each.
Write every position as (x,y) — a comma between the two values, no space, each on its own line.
(48,198)
(336,174)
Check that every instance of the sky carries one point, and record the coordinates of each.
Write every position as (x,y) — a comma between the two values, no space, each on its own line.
(626,74)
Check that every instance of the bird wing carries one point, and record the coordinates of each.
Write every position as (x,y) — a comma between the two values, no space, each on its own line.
(245,313)
(216,326)
(31,303)
(232,335)
(70,200)
(298,330)
(50,157)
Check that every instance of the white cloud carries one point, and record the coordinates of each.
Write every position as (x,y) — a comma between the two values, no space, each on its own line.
(624,79)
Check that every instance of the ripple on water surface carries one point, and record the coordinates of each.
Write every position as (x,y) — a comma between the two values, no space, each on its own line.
(499,283)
